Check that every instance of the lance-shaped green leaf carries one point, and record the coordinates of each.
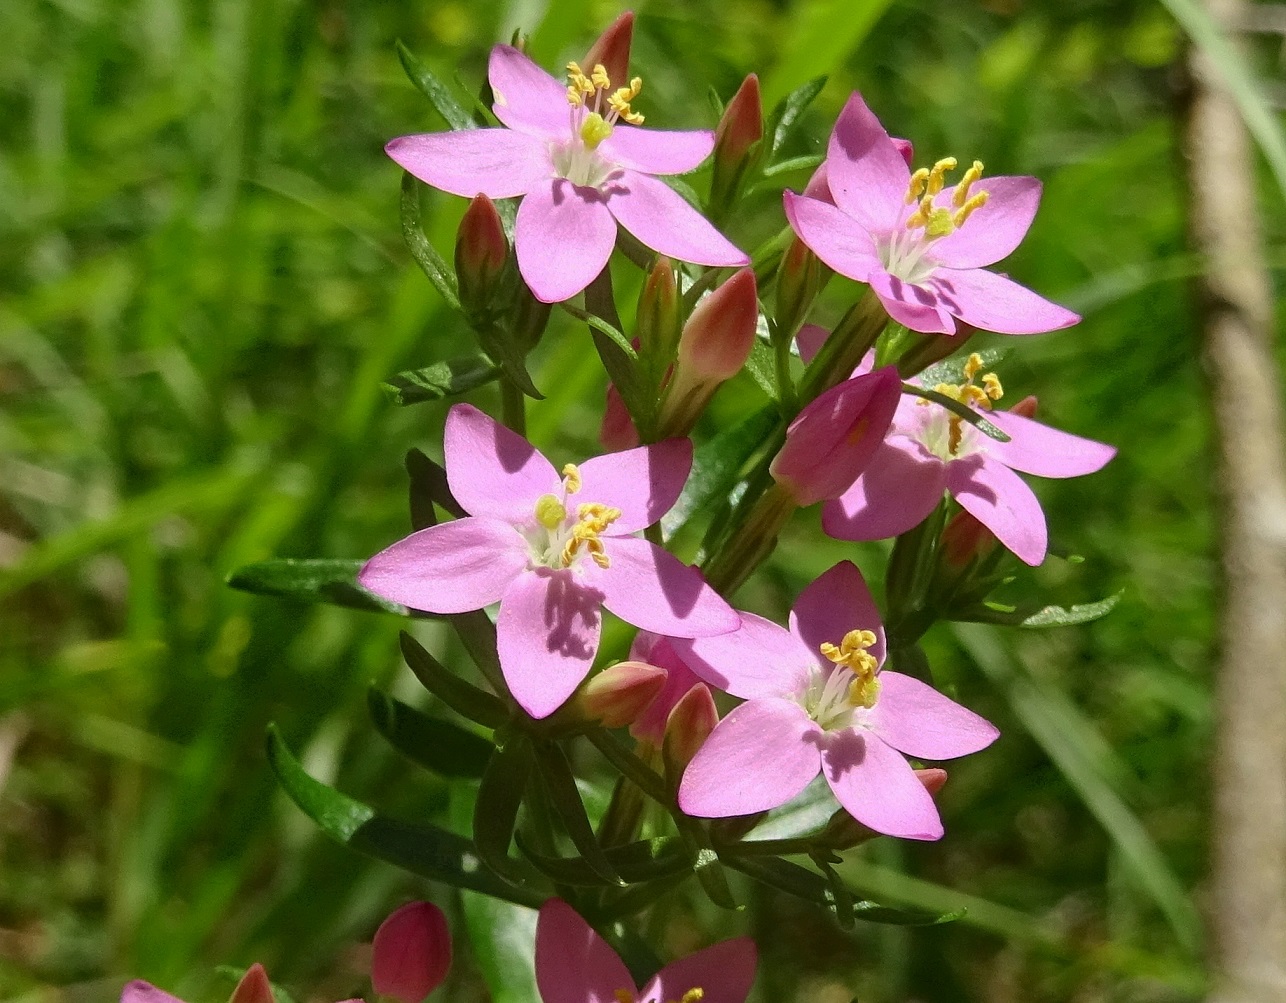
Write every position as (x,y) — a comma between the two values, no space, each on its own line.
(951,370)
(974,418)
(705,863)
(501,345)
(441,380)
(635,863)
(428,485)
(438,93)
(437,745)
(840,895)
(1046,616)
(717,465)
(560,784)
(321,580)
(463,698)
(422,849)
(785,116)
(495,813)
(424,253)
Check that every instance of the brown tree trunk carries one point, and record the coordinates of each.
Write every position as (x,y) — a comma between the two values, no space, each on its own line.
(1248,865)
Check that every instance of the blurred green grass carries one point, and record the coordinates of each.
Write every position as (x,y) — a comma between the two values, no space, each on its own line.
(202,284)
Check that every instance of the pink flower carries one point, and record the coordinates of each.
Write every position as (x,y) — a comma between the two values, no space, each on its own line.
(575,965)
(929,450)
(551,550)
(817,702)
(581,165)
(411,954)
(254,987)
(649,727)
(921,245)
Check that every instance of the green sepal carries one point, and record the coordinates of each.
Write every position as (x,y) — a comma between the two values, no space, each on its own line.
(603,327)
(635,863)
(426,81)
(424,253)
(762,367)
(784,117)
(1047,616)
(512,358)
(463,698)
(495,813)
(420,848)
(441,380)
(438,745)
(560,784)
(316,580)
(428,484)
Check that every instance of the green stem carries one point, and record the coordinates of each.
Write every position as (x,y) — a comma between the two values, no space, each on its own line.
(781,356)
(513,406)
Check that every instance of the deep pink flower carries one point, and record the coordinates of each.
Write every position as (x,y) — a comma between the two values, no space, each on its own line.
(921,245)
(551,550)
(575,965)
(254,987)
(817,702)
(580,168)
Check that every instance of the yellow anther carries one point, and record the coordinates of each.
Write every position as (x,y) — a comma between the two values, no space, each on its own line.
(574,96)
(991,386)
(571,477)
(693,995)
(851,651)
(550,512)
(623,996)
(972,366)
(916,188)
(592,518)
(576,79)
(864,691)
(937,176)
(598,76)
(972,205)
(961,195)
(594,130)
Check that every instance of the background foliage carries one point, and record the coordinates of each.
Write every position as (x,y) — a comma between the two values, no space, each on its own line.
(202,284)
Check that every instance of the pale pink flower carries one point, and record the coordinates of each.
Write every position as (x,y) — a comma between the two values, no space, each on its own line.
(816,701)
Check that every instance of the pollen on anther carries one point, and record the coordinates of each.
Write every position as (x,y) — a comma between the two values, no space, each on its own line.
(572,478)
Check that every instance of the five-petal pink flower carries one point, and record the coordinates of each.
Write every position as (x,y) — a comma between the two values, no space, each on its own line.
(580,170)
(575,965)
(816,701)
(551,550)
(921,245)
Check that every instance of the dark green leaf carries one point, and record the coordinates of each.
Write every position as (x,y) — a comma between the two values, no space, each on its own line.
(312,580)
(716,466)
(461,697)
(762,368)
(560,784)
(809,162)
(422,849)
(424,253)
(428,485)
(438,745)
(603,327)
(442,379)
(455,114)
(501,345)
(705,863)
(1048,616)
(636,863)
(781,123)
(974,418)
(499,797)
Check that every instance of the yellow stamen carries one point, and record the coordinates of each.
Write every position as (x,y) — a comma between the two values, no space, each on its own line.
(916,188)
(991,387)
(592,518)
(974,203)
(577,80)
(961,195)
(980,394)
(598,76)
(937,177)
(571,474)
(574,96)
(550,512)
(972,366)
(927,184)
(623,996)
(851,654)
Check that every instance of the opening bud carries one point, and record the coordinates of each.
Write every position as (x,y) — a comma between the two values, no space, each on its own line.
(254,987)
(612,48)
(481,253)
(411,953)
(657,327)
(617,431)
(686,730)
(736,143)
(965,540)
(619,694)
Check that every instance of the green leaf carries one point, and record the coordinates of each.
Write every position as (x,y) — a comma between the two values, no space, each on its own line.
(636,863)
(438,745)
(465,699)
(560,784)
(762,368)
(716,467)
(1047,616)
(951,370)
(501,345)
(454,113)
(426,256)
(781,123)
(808,162)
(442,379)
(603,327)
(423,849)
(964,411)
(495,813)
(322,580)
(428,485)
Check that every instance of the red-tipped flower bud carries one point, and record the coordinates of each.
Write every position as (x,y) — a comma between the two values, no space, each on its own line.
(932,779)
(657,327)
(1025,408)
(411,953)
(964,540)
(612,49)
(687,729)
(833,439)
(254,987)
(740,129)
(619,694)
(718,337)
(799,280)
(481,252)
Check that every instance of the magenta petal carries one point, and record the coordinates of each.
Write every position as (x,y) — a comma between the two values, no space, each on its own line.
(526,97)
(897,491)
(499,163)
(652,589)
(547,636)
(809,340)
(866,172)
(918,307)
(573,963)
(655,151)
(835,603)
(453,567)
(723,972)
(492,470)
(758,757)
(877,786)
(563,237)
(758,659)
(832,236)
(644,483)
(139,991)
(1000,500)
(993,231)
(658,216)
(916,719)
(993,302)
(1035,448)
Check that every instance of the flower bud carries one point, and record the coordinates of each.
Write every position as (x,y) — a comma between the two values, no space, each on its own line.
(964,540)
(736,143)
(657,327)
(612,49)
(649,727)
(481,253)
(254,987)
(1025,408)
(617,431)
(411,953)
(829,445)
(619,694)
(686,730)
(799,280)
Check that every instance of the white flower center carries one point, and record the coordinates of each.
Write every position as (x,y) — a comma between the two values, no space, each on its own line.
(834,699)
(948,436)
(902,251)
(594,111)
(557,540)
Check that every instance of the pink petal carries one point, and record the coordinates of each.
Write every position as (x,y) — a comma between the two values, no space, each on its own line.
(526,97)
(920,308)
(1035,448)
(899,488)
(817,188)
(254,987)
(563,236)
(993,302)
(724,972)
(836,602)
(492,470)
(916,719)
(834,237)
(994,230)
(1000,500)
(411,953)
(658,216)
(758,757)
(759,659)
(452,567)
(866,172)
(652,589)
(809,340)
(573,963)
(139,991)
(878,787)
(495,162)
(644,483)
(679,678)
(547,636)
(655,151)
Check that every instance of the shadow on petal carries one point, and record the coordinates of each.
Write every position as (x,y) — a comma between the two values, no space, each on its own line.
(571,615)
